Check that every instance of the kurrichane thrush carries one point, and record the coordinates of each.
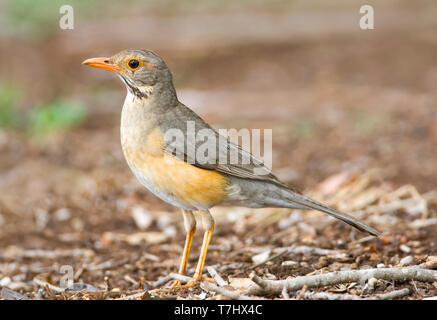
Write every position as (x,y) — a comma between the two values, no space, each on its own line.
(165,166)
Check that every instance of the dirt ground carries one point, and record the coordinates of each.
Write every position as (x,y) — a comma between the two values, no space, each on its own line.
(354,125)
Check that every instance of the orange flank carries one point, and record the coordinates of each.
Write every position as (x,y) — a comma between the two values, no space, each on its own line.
(187,183)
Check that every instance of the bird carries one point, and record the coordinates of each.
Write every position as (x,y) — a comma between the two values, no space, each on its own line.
(169,169)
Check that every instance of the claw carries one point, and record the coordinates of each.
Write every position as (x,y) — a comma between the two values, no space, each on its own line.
(176,283)
(191,283)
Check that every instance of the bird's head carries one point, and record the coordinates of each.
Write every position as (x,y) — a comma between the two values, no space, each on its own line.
(139,69)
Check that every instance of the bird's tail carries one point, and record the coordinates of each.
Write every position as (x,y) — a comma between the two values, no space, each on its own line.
(308,203)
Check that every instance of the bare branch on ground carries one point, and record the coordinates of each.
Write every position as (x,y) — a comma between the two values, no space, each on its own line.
(226,292)
(217,278)
(333,296)
(416,273)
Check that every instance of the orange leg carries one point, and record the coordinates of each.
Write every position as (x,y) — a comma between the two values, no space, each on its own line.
(187,248)
(190,227)
(209,227)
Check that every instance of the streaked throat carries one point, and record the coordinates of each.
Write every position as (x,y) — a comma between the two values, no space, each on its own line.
(142,92)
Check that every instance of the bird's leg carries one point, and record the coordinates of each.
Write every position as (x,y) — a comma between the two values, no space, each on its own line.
(190,228)
(208,224)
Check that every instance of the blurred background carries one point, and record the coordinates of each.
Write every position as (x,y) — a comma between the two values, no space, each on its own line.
(338,98)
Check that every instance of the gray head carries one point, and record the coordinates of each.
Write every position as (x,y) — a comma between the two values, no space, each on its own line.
(139,69)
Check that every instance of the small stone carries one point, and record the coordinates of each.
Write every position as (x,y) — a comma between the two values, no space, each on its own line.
(202,296)
(152,237)
(290,264)
(82,286)
(5,281)
(372,282)
(164,220)
(380,265)
(365,267)
(142,217)
(170,231)
(240,282)
(89,253)
(294,218)
(394,260)
(77,224)
(323,262)
(269,276)
(261,257)
(405,248)
(408,260)
(62,214)
(108,238)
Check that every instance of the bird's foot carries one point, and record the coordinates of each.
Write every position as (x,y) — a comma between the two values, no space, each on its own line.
(191,283)
(176,283)
(195,279)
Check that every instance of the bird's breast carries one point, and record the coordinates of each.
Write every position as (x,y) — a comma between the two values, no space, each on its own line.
(173,180)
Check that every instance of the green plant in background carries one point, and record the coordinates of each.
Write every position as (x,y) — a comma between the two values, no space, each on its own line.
(304,128)
(38,19)
(365,123)
(33,18)
(56,116)
(10,117)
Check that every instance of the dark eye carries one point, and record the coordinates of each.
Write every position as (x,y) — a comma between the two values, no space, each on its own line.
(133,63)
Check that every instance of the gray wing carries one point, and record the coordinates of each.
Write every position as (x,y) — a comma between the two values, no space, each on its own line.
(210,150)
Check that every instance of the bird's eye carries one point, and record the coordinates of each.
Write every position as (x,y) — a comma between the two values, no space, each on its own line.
(133,63)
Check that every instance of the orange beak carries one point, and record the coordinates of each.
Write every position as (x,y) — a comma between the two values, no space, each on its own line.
(104,63)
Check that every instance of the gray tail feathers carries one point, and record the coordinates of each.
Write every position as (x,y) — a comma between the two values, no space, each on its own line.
(308,203)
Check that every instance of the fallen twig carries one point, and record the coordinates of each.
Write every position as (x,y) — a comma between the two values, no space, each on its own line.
(171,276)
(217,278)
(333,296)
(226,292)
(269,259)
(332,278)
(367,238)
(10,294)
(15,253)
(134,296)
(128,278)
(421,223)
(45,284)
(205,285)
(392,295)
(430,264)
(306,250)
(110,264)
(330,296)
